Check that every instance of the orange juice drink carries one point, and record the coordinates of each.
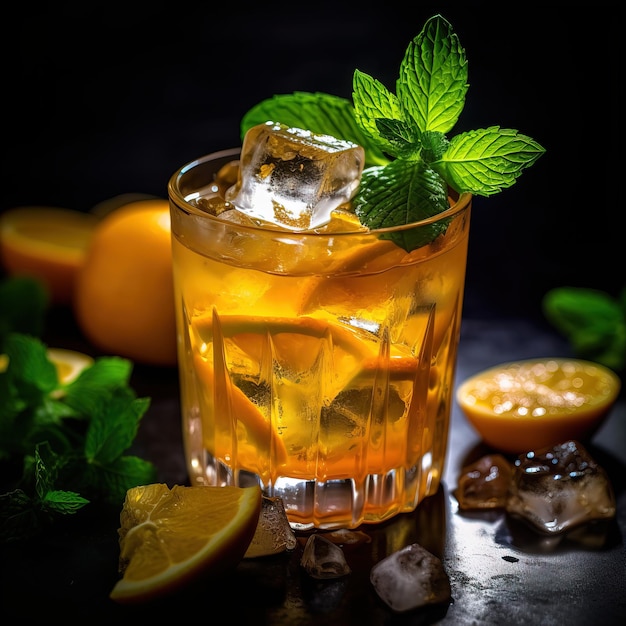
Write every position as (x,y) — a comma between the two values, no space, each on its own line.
(318,364)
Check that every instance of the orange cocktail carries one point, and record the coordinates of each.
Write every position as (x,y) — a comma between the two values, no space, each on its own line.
(319,364)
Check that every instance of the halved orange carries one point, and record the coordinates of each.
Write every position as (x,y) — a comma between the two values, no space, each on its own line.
(525,405)
(170,537)
(46,243)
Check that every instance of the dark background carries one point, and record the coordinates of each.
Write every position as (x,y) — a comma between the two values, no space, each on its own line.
(108,98)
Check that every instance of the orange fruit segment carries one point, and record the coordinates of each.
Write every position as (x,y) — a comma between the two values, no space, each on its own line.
(525,405)
(124,298)
(170,537)
(46,243)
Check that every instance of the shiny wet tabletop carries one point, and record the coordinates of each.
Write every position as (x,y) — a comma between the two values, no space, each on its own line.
(500,571)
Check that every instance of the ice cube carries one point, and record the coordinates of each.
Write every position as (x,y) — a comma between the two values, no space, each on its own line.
(273,533)
(410,578)
(484,484)
(293,177)
(323,559)
(560,487)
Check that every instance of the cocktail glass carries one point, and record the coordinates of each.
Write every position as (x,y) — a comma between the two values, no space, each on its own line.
(317,364)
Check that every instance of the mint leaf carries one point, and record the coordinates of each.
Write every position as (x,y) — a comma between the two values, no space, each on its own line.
(410,190)
(433,77)
(85,393)
(115,479)
(486,161)
(376,110)
(29,367)
(63,502)
(318,112)
(592,321)
(113,427)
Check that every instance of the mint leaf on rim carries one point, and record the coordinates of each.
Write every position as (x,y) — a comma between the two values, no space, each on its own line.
(413,188)
(486,161)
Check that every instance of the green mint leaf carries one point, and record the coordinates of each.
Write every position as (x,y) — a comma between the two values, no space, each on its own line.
(486,161)
(405,191)
(318,112)
(85,394)
(381,117)
(113,480)
(63,502)
(433,77)
(402,140)
(113,427)
(434,145)
(592,321)
(44,478)
(23,302)
(29,368)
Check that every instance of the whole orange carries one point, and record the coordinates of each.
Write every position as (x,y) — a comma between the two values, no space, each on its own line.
(124,297)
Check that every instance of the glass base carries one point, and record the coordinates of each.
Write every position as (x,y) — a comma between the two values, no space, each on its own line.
(331,504)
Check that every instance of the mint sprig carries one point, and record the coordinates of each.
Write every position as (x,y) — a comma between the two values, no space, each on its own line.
(63,445)
(593,322)
(410,127)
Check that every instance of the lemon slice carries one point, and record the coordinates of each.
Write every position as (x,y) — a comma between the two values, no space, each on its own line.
(526,405)
(46,243)
(168,538)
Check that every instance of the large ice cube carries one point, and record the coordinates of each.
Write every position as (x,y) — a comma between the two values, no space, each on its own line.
(558,488)
(293,177)
(410,578)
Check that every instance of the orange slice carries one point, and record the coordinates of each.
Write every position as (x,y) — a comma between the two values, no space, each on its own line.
(48,244)
(525,405)
(168,538)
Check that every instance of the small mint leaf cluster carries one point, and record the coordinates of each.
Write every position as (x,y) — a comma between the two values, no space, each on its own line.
(63,445)
(410,161)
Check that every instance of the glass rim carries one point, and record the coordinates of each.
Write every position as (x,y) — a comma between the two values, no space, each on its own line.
(462,202)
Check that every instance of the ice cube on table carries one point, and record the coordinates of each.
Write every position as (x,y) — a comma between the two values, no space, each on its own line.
(295,178)
(411,578)
(273,533)
(484,484)
(323,559)
(558,488)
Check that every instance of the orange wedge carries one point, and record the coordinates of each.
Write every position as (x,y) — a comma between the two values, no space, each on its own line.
(169,538)
(46,243)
